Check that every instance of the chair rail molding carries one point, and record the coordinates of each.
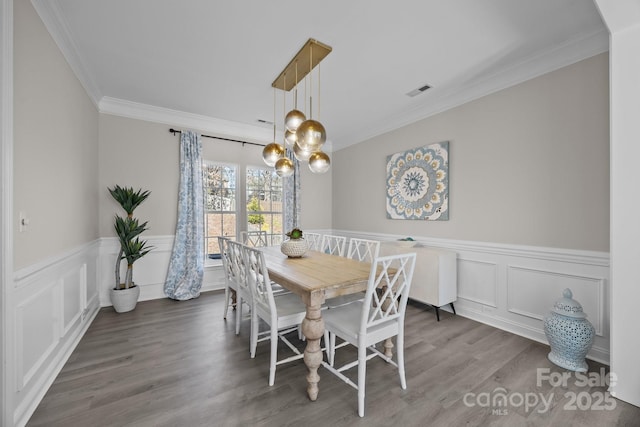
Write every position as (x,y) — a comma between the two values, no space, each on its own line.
(513,287)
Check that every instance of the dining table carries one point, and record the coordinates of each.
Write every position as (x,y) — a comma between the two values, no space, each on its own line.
(316,276)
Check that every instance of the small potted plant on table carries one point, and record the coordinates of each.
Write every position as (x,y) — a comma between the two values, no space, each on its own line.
(124,295)
(295,246)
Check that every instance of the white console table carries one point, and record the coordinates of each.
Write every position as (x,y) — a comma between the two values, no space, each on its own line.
(434,277)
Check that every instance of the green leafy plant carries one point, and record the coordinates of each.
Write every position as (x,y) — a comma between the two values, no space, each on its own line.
(128,230)
(256,219)
(128,198)
(295,234)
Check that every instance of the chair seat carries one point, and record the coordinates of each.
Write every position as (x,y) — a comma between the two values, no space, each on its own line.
(289,304)
(345,322)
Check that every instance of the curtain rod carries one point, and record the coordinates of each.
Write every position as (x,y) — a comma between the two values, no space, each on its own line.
(174,131)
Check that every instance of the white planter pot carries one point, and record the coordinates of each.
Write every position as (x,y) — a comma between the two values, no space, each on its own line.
(124,300)
(294,248)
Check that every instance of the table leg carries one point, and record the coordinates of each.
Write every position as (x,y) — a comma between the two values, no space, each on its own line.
(313,330)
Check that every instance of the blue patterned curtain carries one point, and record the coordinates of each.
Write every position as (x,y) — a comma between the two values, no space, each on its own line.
(186,266)
(292,196)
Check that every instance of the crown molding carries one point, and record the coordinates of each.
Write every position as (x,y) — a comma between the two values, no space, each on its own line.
(543,62)
(53,19)
(176,118)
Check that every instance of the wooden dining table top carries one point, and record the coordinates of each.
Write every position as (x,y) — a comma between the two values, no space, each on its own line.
(316,275)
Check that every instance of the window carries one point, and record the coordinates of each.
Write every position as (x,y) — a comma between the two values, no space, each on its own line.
(224,186)
(219,205)
(264,203)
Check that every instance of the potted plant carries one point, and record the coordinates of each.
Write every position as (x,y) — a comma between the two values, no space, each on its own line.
(124,295)
(295,246)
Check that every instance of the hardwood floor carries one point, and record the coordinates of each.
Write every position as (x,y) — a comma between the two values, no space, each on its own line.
(172,363)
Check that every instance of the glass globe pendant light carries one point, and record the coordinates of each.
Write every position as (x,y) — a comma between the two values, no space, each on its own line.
(311,133)
(295,117)
(303,136)
(300,153)
(319,162)
(284,167)
(272,152)
(290,137)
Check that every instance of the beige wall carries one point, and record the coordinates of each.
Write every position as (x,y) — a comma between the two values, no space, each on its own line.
(152,163)
(55,146)
(528,165)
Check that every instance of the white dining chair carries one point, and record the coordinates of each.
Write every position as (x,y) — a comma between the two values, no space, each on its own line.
(333,245)
(378,317)
(229,284)
(313,240)
(238,276)
(361,250)
(255,239)
(283,313)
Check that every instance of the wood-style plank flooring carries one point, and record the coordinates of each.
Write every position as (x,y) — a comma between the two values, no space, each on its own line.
(170,363)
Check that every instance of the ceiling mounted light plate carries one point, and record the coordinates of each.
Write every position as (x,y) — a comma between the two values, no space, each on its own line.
(304,64)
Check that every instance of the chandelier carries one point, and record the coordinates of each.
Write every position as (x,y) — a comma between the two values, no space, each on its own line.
(304,136)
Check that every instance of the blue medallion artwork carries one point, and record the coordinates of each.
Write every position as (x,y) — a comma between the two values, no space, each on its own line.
(418,183)
(186,266)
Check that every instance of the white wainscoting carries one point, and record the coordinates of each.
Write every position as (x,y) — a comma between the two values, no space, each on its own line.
(513,287)
(150,271)
(54,302)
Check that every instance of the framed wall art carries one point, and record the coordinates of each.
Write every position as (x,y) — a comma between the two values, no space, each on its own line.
(418,183)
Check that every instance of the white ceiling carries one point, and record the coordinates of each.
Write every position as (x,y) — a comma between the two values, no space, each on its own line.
(216,60)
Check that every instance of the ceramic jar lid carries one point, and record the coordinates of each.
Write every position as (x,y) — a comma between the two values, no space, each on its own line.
(569,307)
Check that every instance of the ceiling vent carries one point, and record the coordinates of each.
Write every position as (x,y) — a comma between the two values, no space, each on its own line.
(418,91)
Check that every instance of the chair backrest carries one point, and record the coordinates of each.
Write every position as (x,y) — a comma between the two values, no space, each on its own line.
(237,269)
(224,255)
(258,281)
(255,239)
(276,239)
(333,245)
(363,249)
(313,240)
(388,290)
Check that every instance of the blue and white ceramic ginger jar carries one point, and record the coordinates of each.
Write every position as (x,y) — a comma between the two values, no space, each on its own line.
(569,333)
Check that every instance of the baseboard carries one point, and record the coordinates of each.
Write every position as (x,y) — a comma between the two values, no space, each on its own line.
(597,354)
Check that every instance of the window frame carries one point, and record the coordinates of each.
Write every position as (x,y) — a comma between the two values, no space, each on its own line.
(271,212)
(237,167)
(241,211)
